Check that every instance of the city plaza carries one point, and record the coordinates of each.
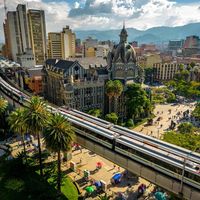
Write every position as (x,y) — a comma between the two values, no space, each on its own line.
(87,160)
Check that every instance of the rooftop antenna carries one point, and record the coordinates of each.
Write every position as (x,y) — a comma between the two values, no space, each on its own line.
(5,8)
(123,24)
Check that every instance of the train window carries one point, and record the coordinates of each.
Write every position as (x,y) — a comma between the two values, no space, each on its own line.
(194,177)
(95,136)
(150,158)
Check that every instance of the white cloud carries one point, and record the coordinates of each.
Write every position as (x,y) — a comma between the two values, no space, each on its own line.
(107,14)
(76,5)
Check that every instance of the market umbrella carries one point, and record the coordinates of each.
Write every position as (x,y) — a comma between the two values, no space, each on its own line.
(97,183)
(99,164)
(89,189)
(160,196)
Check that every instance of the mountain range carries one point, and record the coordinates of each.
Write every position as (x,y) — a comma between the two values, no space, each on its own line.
(155,35)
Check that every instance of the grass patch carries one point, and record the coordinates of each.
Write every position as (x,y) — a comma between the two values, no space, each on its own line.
(69,189)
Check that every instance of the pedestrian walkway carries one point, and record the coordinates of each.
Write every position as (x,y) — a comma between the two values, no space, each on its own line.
(164,113)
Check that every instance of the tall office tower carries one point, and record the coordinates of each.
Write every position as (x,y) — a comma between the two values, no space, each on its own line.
(62,45)
(8,52)
(69,40)
(37,30)
(23,27)
(12,35)
(55,46)
(16,33)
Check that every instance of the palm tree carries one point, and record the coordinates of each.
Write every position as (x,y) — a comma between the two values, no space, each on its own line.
(16,122)
(58,136)
(36,116)
(3,107)
(110,92)
(118,89)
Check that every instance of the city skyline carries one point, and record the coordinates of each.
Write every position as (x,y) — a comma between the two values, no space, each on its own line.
(109,14)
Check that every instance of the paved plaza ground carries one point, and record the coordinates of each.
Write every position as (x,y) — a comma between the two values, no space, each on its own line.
(88,160)
(162,112)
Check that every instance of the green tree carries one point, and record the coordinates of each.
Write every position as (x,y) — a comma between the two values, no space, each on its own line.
(109,92)
(192,64)
(118,89)
(59,136)
(3,108)
(3,105)
(182,75)
(112,117)
(181,67)
(188,141)
(95,112)
(137,102)
(186,128)
(36,116)
(129,123)
(16,122)
(196,112)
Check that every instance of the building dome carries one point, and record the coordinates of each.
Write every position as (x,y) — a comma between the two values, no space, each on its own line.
(124,52)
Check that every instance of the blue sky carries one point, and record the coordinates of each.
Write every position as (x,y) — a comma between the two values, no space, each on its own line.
(109,14)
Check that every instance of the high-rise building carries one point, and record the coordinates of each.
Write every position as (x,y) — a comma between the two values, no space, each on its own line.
(16,33)
(192,41)
(23,27)
(69,40)
(55,45)
(17,38)
(37,31)
(62,45)
(9,52)
(12,35)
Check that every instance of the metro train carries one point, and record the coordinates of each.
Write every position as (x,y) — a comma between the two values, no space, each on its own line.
(137,136)
(140,150)
(87,117)
(181,152)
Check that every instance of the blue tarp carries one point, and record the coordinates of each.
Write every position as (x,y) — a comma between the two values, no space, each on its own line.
(117,177)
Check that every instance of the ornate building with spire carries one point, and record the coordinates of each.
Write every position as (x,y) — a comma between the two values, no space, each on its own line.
(122,62)
(122,65)
(81,86)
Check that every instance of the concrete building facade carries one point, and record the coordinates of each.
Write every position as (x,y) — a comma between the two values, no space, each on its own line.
(11,30)
(67,83)
(165,71)
(37,31)
(148,60)
(62,45)
(17,40)
(25,36)
(54,45)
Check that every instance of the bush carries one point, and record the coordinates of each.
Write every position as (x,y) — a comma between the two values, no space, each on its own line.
(129,123)
(186,128)
(16,185)
(112,117)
